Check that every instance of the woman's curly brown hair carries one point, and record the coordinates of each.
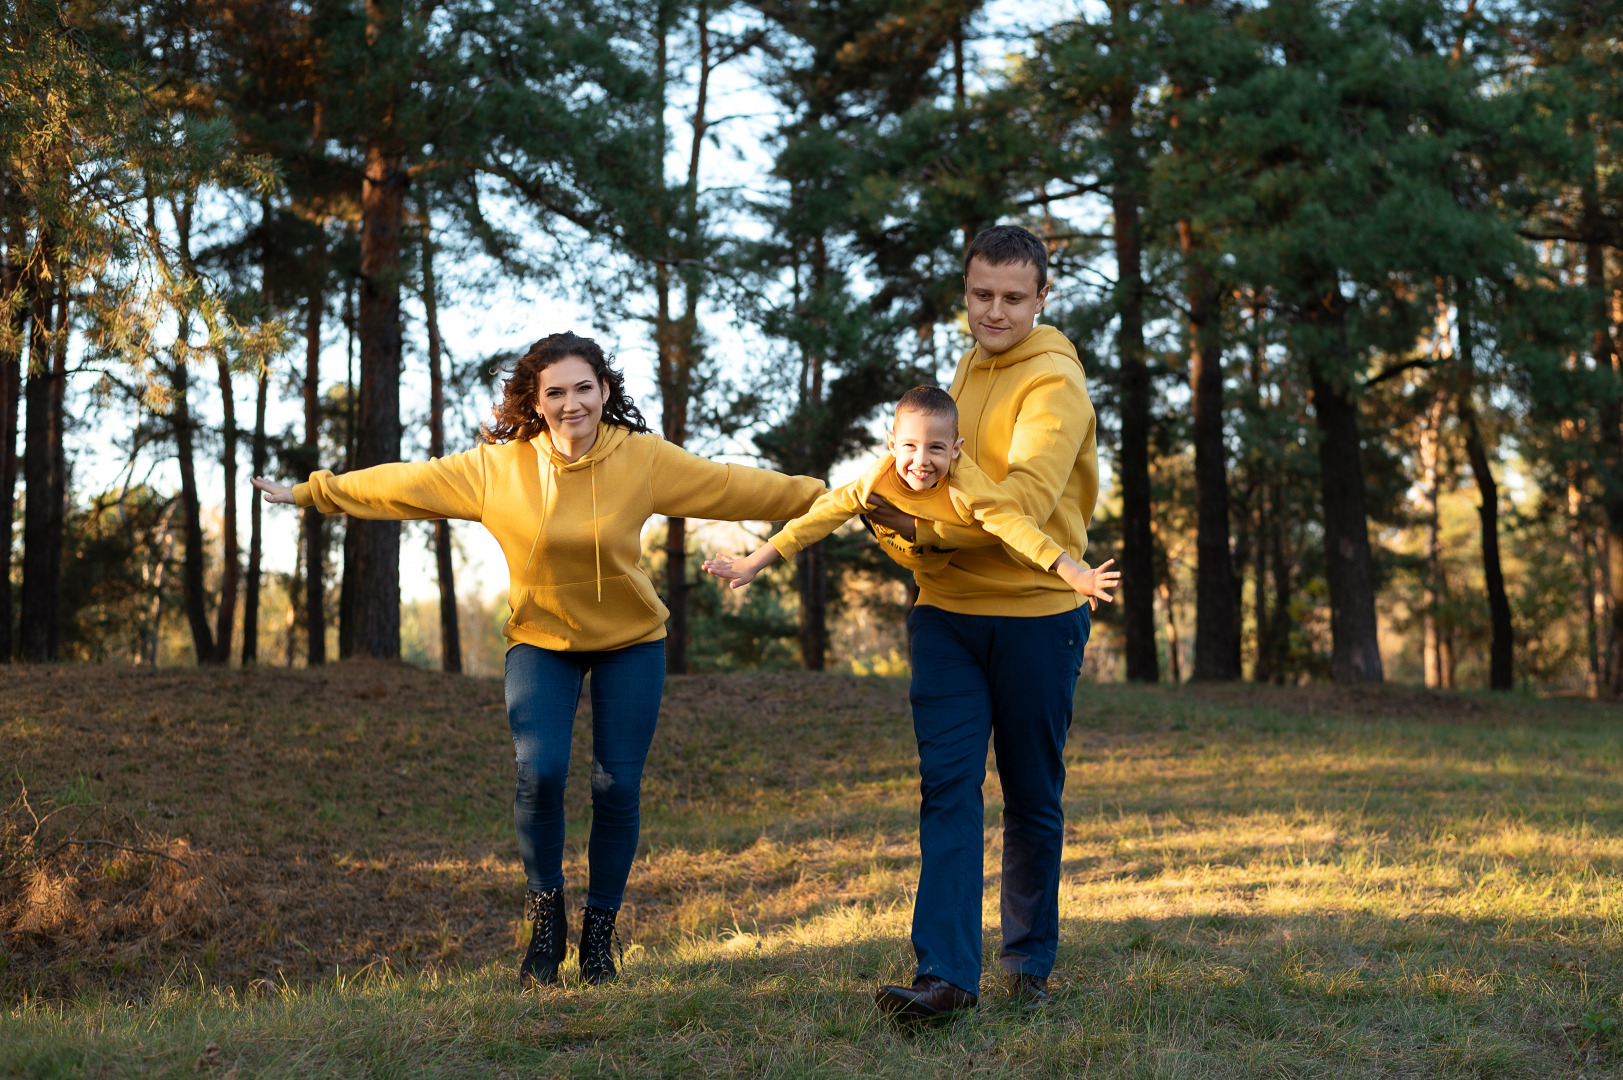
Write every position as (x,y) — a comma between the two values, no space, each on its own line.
(515,416)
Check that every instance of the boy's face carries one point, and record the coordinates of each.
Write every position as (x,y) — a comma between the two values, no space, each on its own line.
(925,447)
(1003,302)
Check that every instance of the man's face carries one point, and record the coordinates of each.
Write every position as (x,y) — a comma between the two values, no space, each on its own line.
(1003,302)
(925,447)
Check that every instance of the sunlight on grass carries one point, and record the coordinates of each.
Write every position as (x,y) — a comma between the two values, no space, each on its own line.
(1255,883)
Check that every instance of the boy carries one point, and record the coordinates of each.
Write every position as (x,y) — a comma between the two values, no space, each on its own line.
(926,475)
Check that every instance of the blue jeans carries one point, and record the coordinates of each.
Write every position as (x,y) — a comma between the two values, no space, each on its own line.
(543,689)
(1011,679)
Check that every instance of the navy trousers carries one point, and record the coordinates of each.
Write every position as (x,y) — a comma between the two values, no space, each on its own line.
(1011,679)
(543,688)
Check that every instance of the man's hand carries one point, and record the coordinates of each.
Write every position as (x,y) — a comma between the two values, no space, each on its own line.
(898,522)
(274,492)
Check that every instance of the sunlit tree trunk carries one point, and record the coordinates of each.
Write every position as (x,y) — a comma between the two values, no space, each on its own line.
(1578,534)
(1430,484)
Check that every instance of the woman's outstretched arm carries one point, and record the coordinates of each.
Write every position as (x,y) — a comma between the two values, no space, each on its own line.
(448,487)
(681,484)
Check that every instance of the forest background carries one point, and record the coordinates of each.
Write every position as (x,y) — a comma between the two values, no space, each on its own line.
(1343,277)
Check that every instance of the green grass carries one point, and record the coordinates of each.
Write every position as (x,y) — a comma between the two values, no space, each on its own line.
(1257,883)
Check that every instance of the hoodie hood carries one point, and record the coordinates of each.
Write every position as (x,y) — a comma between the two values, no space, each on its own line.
(1042,339)
(610,437)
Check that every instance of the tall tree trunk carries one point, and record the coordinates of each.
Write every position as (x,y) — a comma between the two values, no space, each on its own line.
(184,428)
(1430,485)
(1217,638)
(11,387)
(375,549)
(59,459)
(1137,541)
(811,568)
(1502,651)
(1610,465)
(1578,532)
(250,599)
(230,548)
(1174,647)
(315,547)
(676,341)
(450,635)
(40,614)
(1217,642)
(1355,654)
(811,578)
(191,512)
(1279,624)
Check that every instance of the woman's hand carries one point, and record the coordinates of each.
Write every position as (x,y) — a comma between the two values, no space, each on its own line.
(274,492)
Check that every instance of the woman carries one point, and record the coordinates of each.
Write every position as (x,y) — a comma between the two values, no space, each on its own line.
(564,478)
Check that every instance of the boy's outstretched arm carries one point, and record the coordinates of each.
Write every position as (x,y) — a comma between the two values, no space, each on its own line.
(741,570)
(1093,584)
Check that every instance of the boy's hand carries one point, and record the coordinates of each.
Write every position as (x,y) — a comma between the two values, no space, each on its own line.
(731,568)
(740,571)
(1093,584)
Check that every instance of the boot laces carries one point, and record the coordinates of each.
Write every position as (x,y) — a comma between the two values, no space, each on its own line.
(600,935)
(538,911)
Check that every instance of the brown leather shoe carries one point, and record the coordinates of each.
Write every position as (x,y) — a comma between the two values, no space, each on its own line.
(1031,991)
(928,999)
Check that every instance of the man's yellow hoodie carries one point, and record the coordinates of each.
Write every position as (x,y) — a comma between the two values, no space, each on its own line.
(571,532)
(1028,423)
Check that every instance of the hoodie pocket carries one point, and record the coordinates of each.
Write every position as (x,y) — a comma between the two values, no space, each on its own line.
(571,617)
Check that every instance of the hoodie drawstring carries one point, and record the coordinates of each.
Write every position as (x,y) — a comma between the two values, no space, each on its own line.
(597,552)
(546,489)
(975,454)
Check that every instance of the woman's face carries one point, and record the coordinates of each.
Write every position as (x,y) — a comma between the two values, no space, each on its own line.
(569,398)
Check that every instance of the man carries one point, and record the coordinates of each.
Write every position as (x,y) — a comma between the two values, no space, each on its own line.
(997,643)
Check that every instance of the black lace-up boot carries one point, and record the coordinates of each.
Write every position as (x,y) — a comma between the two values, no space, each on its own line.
(549,938)
(598,943)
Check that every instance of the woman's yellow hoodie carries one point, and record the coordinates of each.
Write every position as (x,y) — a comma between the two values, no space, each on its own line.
(572,532)
(1028,423)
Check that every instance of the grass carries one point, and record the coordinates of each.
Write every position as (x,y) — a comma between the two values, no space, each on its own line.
(1257,882)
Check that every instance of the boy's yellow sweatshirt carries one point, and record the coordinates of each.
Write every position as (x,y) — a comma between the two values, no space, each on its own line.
(1028,423)
(966,498)
(572,533)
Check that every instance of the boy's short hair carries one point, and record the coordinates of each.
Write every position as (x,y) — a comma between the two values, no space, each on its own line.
(931,401)
(1004,244)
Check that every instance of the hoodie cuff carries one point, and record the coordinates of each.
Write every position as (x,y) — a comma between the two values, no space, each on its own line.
(788,547)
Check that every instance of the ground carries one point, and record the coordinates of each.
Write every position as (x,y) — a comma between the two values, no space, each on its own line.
(312,873)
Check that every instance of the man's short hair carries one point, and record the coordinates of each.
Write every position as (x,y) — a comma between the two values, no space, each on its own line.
(1004,244)
(929,400)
